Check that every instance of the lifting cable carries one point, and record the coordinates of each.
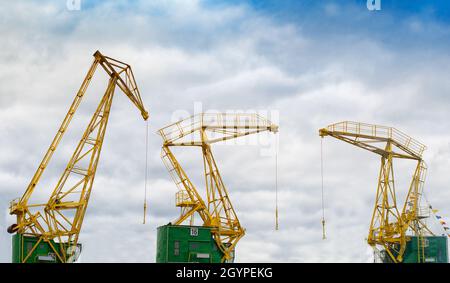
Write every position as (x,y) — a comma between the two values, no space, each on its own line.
(276,182)
(146,171)
(323,205)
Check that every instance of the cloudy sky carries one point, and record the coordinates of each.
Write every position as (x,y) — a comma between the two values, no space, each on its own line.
(305,64)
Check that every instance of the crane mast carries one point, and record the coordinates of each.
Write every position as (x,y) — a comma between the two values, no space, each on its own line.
(390,224)
(216,211)
(58,222)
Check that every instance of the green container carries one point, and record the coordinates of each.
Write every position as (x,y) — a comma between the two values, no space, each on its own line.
(435,251)
(43,253)
(22,245)
(177,243)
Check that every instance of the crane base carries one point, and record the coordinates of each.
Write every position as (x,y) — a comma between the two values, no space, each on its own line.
(434,251)
(22,245)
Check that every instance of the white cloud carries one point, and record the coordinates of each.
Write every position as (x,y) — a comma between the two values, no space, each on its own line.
(227,58)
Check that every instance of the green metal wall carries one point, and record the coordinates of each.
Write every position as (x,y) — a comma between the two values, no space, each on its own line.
(177,243)
(435,251)
(28,242)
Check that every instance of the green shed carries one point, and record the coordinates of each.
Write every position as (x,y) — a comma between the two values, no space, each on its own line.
(181,243)
(434,250)
(43,253)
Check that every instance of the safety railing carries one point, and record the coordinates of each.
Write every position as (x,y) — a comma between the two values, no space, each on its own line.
(13,204)
(212,121)
(182,199)
(377,131)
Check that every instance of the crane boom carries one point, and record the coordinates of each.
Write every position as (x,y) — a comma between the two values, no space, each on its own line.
(216,211)
(389,224)
(58,222)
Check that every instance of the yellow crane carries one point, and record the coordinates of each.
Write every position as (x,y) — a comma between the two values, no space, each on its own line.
(216,211)
(391,226)
(50,231)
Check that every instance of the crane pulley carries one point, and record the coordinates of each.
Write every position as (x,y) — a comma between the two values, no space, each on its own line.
(58,222)
(390,224)
(216,210)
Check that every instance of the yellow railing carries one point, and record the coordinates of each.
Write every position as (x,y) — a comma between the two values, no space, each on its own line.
(13,204)
(212,120)
(377,131)
(182,199)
